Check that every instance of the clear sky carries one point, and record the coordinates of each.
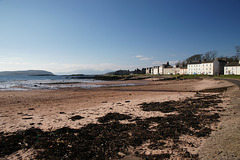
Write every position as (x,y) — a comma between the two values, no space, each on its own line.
(97,36)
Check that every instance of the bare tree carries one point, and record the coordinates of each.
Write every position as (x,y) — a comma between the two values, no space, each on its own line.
(238,51)
(210,55)
(184,63)
(228,59)
(194,58)
(181,64)
(178,64)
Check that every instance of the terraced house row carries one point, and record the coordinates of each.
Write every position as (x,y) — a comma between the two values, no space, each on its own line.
(213,67)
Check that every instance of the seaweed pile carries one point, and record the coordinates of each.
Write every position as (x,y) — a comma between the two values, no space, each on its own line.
(111,139)
(113,116)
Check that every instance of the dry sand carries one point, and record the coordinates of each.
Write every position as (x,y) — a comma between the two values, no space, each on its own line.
(52,109)
(224,143)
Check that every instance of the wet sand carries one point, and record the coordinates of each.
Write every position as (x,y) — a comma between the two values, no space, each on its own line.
(53,109)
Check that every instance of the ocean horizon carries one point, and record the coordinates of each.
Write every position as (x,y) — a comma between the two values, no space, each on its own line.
(26,82)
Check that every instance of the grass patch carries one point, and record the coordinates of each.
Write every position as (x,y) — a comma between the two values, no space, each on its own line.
(144,76)
(205,76)
(190,76)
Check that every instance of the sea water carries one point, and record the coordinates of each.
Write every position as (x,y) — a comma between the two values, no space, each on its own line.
(39,82)
(25,83)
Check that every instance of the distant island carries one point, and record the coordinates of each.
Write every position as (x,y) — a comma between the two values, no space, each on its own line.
(27,73)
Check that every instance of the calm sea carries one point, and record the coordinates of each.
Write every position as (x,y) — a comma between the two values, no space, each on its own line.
(25,83)
(40,82)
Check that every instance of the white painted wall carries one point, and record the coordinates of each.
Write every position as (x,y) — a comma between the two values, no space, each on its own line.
(183,71)
(194,68)
(149,70)
(171,71)
(228,70)
(156,70)
(204,68)
(161,69)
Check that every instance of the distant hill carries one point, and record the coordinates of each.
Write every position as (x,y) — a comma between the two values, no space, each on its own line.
(27,73)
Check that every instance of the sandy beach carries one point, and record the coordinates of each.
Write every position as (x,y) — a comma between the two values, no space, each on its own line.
(50,110)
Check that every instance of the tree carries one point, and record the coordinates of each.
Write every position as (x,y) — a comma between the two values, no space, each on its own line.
(228,59)
(137,71)
(238,51)
(181,64)
(210,55)
(178,64)
(121,72)
(194,58)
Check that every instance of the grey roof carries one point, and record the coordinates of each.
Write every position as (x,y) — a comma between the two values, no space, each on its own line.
(183,67)
(194,62)
(210,61)
(232,64)
(169,67)
(221,60)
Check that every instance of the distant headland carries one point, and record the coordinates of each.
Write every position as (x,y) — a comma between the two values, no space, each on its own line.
(27,73)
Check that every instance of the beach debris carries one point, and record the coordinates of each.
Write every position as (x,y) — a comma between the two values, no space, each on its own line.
(112,139)
(113,116)
(215,90)
(77,117)
(62,113)
(28,118)
(30,109)
(182,105)
(164,107)
(104,101)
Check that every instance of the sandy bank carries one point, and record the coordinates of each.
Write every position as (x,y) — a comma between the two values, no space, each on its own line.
(24,109)
(51,110)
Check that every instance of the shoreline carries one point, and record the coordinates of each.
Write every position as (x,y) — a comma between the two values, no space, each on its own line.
(51,110)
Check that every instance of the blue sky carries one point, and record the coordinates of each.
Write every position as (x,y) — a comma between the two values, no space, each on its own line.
(97,36)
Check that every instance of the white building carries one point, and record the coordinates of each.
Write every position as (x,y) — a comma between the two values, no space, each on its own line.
(171,70)
(210,67)
(213,67)
(232,68)
(161,68)
(156,70)
(194,68)
(183,70)
(149,70)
